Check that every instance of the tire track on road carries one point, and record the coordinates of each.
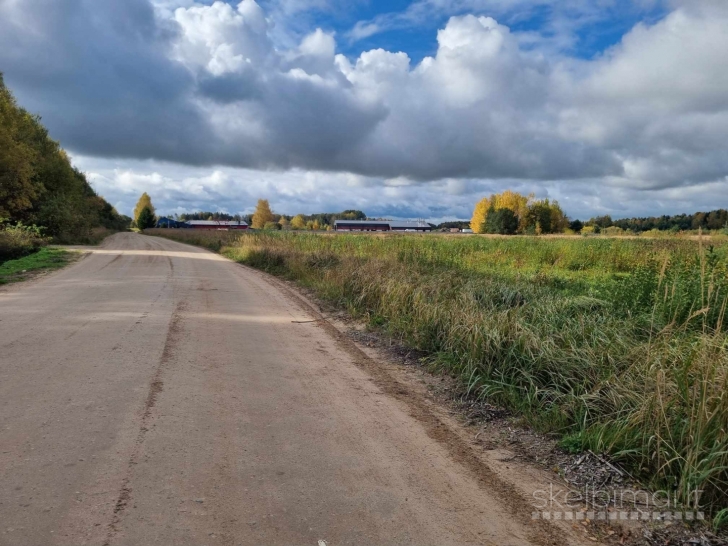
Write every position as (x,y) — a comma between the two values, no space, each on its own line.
(156,386)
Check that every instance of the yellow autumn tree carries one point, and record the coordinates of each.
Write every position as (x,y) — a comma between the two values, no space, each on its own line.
(262,214)
(285,224)
(477,222)
(298,222)
(145,202)
(507,200)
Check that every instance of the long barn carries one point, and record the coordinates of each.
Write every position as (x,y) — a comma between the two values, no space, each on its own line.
(216,224)
(201,224)
(380,225)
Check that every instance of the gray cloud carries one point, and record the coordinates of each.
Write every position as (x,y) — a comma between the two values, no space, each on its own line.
(207,85)
(99,73)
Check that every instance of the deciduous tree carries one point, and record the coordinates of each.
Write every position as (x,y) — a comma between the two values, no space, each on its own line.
(144,202)
(262,214)
(510,200)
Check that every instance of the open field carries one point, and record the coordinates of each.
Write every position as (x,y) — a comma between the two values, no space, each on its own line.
(620,345)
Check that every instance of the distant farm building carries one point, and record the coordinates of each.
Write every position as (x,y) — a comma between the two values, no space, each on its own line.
(201,224)
(165,222)
(380,225)
(217,224)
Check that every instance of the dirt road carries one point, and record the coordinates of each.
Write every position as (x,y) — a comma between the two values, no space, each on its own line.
(155,393)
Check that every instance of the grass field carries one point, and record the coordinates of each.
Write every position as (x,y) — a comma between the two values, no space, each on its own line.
(620,345)
(22,268)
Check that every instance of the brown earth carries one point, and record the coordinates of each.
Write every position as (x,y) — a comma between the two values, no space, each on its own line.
(157,393)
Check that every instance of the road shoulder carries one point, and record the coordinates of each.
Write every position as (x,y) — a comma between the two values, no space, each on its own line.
(39,264)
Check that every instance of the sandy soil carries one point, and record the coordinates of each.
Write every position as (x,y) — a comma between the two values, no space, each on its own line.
(156,393)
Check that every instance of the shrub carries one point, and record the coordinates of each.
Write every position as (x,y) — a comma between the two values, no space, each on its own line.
(17,240)
(613,230)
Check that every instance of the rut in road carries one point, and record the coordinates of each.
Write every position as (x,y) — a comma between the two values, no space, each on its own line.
(155,387)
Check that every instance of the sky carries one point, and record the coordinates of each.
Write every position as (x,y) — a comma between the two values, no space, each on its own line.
(399,108)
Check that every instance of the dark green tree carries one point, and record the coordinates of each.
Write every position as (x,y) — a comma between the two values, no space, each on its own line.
(576,226)
(538,217)
(501,221)
(146,219)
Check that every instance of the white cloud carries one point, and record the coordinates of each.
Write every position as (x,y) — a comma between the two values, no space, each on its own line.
(659,99)
(208,85)
(222,39)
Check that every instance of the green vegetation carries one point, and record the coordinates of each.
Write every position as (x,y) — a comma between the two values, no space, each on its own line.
(714,220)
(322,220)
(146,219)
(38,184)
(620,345)
(17,240)
(44,259)
(457,224)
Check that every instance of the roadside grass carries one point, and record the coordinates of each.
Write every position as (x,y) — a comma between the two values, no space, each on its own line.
(27,266)
(620,345)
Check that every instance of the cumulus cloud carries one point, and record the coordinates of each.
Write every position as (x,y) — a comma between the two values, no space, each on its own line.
(658,100)
(210,85)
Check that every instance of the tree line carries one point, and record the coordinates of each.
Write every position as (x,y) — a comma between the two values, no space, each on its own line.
(262,218)
(214,216)
(713,220)
(509,213)
(38,184)
(265,218)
